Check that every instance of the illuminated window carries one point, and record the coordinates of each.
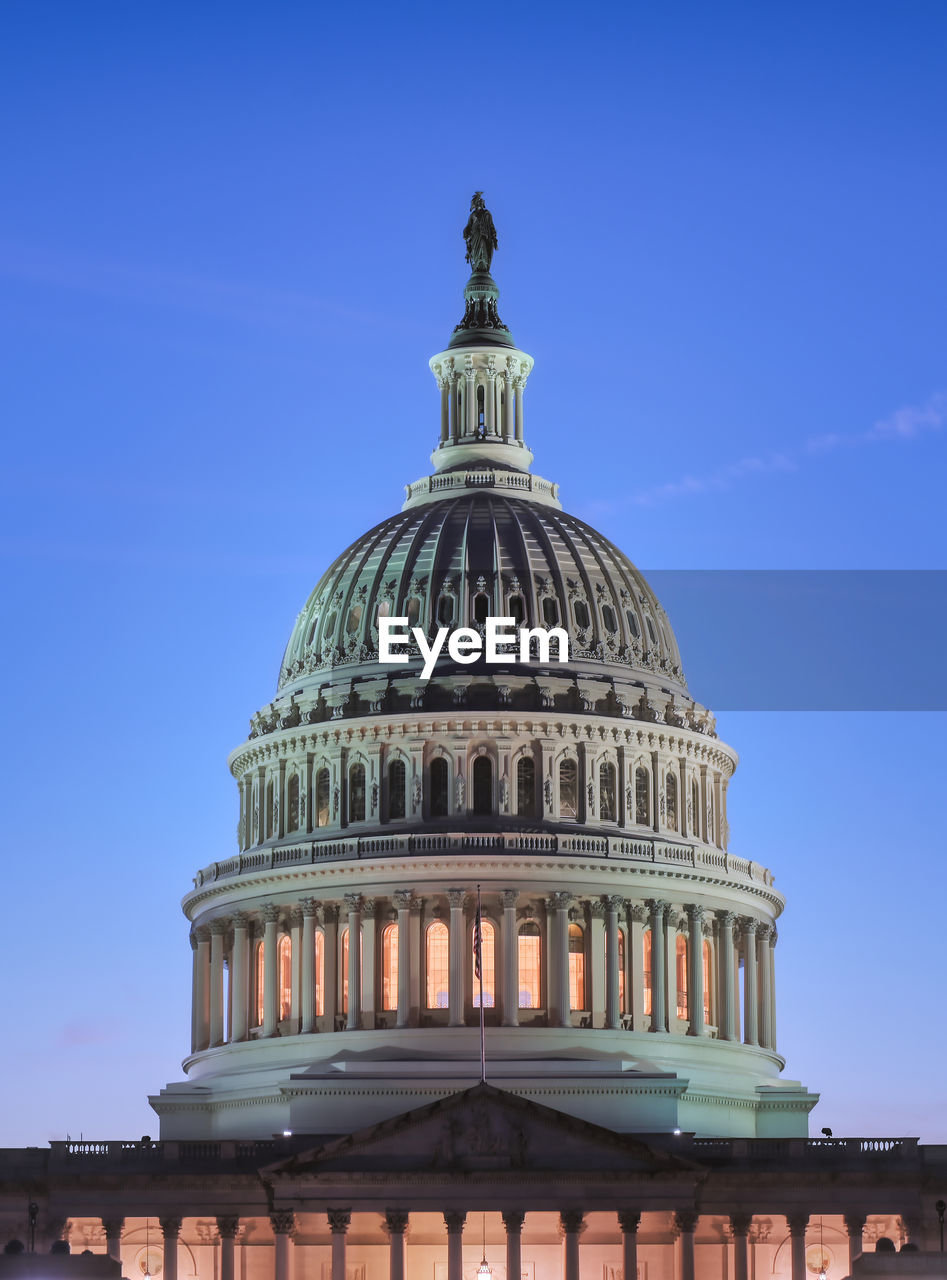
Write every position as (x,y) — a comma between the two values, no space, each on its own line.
(670,801)
(259,978)
(320,943)
(292,803)
(607,800)
(437,965)
(344,968)
(322,798)
(705,961)
(526,787)
(681,953)
(397,784)
(646,971)
(488,960)
(284,961)
(529,958)
(642,797)
(568,789)
(357,793)
(439,788)
(483,785)
(576,967)
(389,967)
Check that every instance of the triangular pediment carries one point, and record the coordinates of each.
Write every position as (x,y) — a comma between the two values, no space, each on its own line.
(482,1129)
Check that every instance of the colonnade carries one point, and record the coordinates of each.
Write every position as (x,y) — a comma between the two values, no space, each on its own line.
(559,960)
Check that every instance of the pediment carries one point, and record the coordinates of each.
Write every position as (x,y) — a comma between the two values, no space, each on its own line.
(482,1129)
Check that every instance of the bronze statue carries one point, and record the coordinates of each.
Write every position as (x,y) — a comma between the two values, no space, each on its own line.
(480,235)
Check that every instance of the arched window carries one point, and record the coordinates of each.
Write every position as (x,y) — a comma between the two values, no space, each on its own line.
(483,785)
(576,967)
(384,609)
(607,799)
(353,620)
(633,624)
(320,944)
(439,787)
(580,611)
(526,787)
(670,800)
(646,971)
(312,630)
(321,806)
(389,967)
(344,969)
(284,961)
(705,961)
(412,610)
(488,962)
(445,610)
(437,965)
(642,797)
(681,954)
(258,975)
(328,632)
(481,607)
(550,611)
(516,609)
(357,793)
(529,958)
(608,618)
(568,789)
(292,803)
(651,631)
(397,789)
(480,410)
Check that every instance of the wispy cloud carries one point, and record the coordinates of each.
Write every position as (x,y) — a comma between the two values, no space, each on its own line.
(905,424)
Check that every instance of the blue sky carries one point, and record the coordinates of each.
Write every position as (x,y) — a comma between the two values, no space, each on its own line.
(229,242)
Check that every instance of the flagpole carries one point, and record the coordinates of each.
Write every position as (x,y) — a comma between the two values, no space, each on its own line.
(478,940)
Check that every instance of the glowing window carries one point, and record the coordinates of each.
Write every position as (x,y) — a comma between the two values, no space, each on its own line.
(488,961)
(389,967)
(681,954)
(581,612)
(320,943)
(322,798)
(292,803)
(529,958)
(284,962)
(344,968)
(576,967)
(439,788)
(526,787)
(646,971)
(437,965)
(258,969)
(483,785)
(568,789)
(396,789)
(670,801)
(705,961)
(357,793)
(642,797)
(607,800)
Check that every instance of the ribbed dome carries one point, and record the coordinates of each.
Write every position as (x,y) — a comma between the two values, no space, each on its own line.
(452,562)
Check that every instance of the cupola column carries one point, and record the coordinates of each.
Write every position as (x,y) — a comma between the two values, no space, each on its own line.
(489,397)
(509,415)
(202,988)
(695,917)
(727,1023)
(396,1224)
(455,998)
(239,976)
(353,902)
(270,970)
(444,387)
(766,987)
(339,1220)
(659,912)
(452,395)
(612,958)
(454,1220)
(629,1220)
(510,959)
(218,929)
(518,384)
(403,903)
(750,986)
(560,903)
(470,397)
(307,968)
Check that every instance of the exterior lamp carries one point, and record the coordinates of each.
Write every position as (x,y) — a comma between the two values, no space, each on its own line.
(484,1271)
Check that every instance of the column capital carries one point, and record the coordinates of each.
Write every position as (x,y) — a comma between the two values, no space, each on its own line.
(686,1220)
(330,913)
(658,907)
(454,1220)
(509,897)
(270,913)
(202,933)
(855,1224)
(240,919)
(227,1227)
(764,932)
(402,898)
(695,914)
(295,916)
(797,1221)
(726,919)
(561,900)
(112,1227)
(353,902)
(613,901)
(339,1220)
(455,898)
(637,912)
(749,925)
(283,1222)
(369,907)
(219,928)
(572,1221)
(740,1223)
(629,1220)
(170,1227)
(513,1220)
(396,1221)
(309,906)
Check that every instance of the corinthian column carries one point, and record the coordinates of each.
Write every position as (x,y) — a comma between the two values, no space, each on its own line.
(560,903)
(239,978)
(513,1220)
(353,902)
(571,1226)
(227,1228)
(113,1237)
(629,1220)
(797,1223)
(307,968)
(218,929)
(403,903)
(283,1224)
(454,1220)
(170,1230)
(339,1220)
(766,986)
(612,989)
(695,917)
(750,988)
(455,987)
(728,1028)
(270,970)
(201,1035)
(659,1018)
(396,1224)
(510,959)
(686,1223)
(740,1226)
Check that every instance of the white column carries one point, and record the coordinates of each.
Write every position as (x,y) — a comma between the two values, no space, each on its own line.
(695,918)
(595,976)
(470,395)
(636,918)
(403,903)
(489,399)
(571,1226)
(239,977)
(396,1224)
(727,1023)
(612,1007)
(202,988)
(455,1002)
(629,1220)
(797,1223)
(368,965)
(330,920)
(518,384)
(444,387)
(511,995)
(307,968)
(454,1220)
(767,1039)
(686,1222)
(216,1021)
(508,413)
(560,904)
(659,911)
(750,987)
(113,1237)
(283,1223)
(339,1220)
(353,903)
(295,990)
(513,1222)
(170,1230)
(227,1228)
(270,970)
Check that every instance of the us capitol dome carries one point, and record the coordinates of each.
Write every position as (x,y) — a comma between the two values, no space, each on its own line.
(626,955)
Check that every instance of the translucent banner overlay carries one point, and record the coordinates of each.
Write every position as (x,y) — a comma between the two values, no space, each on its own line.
(810,639)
